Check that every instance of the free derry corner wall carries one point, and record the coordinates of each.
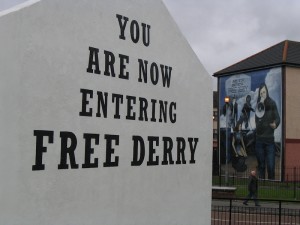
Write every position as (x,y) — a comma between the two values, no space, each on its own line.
(105,116)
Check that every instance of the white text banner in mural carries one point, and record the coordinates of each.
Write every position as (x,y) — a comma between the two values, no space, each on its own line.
(238,85)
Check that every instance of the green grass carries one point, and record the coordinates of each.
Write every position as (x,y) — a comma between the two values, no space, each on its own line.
(267,189)
(268,193)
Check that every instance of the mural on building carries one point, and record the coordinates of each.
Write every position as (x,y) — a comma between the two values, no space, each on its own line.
(253,121)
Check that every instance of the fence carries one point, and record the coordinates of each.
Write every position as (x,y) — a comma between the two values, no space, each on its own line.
(288,189)
(231,211)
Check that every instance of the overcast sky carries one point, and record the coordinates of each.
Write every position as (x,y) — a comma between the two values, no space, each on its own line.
(223,32)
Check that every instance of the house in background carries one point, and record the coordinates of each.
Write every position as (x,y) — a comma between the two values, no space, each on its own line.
(215,162)
(278,68)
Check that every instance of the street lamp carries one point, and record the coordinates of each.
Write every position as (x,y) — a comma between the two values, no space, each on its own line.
(227,100)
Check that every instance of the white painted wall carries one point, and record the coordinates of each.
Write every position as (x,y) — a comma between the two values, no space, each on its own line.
(43,62)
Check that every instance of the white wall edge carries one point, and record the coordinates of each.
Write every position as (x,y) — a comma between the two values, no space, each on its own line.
(18,7)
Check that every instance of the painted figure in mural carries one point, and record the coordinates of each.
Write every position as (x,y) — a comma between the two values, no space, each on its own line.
(247,108)
(234,110)
(267,120)
(239,149)
(238,142)
(230,112)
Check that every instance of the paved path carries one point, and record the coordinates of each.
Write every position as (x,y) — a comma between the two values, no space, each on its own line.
(267,214)
(263,203)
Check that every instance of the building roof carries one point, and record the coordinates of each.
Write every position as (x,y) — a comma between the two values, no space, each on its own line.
(284,53)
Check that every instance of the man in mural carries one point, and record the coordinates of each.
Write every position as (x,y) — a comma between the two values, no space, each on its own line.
(267,120)
(245,116)
(232,114)
(234,110)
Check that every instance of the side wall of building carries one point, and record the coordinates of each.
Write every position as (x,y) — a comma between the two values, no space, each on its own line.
(292,116)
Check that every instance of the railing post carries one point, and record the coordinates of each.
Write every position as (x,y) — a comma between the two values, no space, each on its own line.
(294,183)
(279,212)
(230,207)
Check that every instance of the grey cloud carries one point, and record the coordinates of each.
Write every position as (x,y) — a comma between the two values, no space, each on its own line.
(225,32)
